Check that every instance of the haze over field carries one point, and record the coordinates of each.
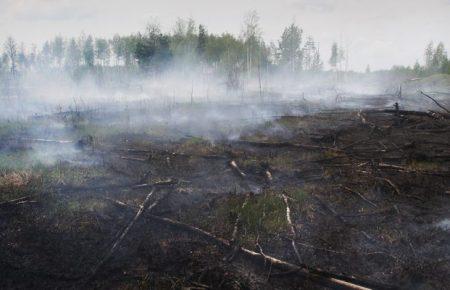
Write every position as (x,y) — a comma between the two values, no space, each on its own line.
(376,33)
(224,144)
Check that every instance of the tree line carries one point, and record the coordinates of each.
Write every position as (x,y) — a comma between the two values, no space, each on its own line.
(190,44)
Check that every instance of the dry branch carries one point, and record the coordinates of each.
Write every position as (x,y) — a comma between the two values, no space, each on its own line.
(291,228)
(436,102)
(388,181)
(268,176)
(408,170)
(46,141)
(284,144)
(134,159)
(334,281)
(15,201)
(236,169)
(360,195)
(117,242)
(321,277)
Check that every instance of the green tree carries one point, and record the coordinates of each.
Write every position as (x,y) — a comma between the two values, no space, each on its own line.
(57,48)
(290,48)
(5,61)
(152,51)
(45,56)
(417,69)
(184,41)
(202,39)
(251,34)
(11,51)
(334,55)
(429,51)
(22,59)
(102,51)
(88,51)
(439,56)
(73,54)
(317,64)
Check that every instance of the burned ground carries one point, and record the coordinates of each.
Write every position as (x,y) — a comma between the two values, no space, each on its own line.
(367,192)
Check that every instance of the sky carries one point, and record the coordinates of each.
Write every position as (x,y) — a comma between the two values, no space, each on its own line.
(378,33)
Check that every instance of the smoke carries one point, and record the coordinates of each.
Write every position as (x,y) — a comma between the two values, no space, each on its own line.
(188,99)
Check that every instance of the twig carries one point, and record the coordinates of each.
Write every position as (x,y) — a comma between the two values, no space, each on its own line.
(291,228)
(234,236)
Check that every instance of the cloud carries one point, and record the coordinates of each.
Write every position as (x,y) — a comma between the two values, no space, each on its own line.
(50,10)
(319,6)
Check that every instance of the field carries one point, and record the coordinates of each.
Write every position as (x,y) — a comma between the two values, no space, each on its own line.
(197,196)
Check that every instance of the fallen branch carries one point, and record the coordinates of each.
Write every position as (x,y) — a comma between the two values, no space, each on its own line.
(268,176)
(115,245)
(408,170)
(329,209)
(168,182)
(134,159)
(436,102)
(334,281)
(14,201)
(360,195)
(388,181)
(38,140)
(291,228)
(284,144)
(236,169)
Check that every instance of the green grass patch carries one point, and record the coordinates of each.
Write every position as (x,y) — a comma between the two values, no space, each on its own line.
(262,215)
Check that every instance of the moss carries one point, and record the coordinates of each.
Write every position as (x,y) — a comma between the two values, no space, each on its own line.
(63,173)
(299,195)
(424,165)
(262,215)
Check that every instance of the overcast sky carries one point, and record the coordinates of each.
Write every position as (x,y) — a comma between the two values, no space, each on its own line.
(378,33)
